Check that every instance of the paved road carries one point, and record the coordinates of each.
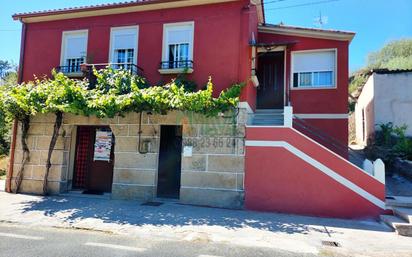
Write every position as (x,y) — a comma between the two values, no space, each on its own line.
(19,241)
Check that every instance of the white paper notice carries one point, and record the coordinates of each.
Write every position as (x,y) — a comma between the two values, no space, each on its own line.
(103,146)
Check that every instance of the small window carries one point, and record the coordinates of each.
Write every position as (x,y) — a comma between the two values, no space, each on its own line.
(123,52)
(74,51)
(314,69)
(178,46)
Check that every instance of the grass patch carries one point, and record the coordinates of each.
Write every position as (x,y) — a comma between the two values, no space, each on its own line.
(3,166)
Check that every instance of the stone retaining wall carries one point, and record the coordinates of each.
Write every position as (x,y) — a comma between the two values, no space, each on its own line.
(212,176)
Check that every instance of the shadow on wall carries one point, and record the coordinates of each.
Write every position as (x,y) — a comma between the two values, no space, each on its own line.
(170,214)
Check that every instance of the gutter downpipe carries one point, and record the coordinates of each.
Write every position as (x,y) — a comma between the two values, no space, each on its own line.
(15,122)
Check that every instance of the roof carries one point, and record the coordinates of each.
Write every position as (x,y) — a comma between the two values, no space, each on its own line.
(388,71)
(368,73)
(307,32)
(116,8)
(274,43)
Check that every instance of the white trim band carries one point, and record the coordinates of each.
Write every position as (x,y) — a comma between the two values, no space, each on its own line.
(327,171)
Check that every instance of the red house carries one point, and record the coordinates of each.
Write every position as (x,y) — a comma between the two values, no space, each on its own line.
(292,153)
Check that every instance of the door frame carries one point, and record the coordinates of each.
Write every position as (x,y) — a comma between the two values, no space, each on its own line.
(156,185)
(71,168)
(283,49)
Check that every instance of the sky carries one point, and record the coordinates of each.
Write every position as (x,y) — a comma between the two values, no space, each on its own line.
(376,22)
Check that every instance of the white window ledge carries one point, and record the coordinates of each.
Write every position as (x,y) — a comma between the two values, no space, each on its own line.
(74,74)
(176,71)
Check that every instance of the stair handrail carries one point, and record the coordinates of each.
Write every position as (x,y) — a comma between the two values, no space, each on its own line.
(301,123)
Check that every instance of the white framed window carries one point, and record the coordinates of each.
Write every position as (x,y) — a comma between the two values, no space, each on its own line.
(178,45)
(74,50)
(314,69)
(123,46)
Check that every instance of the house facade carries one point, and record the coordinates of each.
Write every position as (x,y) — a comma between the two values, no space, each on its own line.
(385,97)
(284,149)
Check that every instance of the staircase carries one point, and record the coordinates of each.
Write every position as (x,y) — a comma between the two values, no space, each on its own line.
(401,221)
(268,117)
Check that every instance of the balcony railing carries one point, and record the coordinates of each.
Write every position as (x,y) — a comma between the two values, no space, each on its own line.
(186,64)
(86,69)
(69,69)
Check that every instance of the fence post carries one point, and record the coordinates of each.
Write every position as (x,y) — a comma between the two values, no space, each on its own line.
(379,170)
(288,116)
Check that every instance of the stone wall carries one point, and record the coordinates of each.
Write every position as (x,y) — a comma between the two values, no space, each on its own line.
(213,175)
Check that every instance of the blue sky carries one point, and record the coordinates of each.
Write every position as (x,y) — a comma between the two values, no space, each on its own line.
(376,22)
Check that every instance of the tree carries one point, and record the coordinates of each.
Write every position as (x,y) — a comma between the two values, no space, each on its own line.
(8,76)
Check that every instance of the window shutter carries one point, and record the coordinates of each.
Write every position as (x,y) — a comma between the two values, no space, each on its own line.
(314,61)
(76,46)
(179,35)
(124,39)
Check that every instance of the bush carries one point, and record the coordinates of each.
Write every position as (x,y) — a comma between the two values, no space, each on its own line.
(390,143)
(2,172)
(5,126)
(3,165)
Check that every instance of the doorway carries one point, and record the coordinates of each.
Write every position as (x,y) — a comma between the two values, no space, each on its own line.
(270,93)
(94,160)
(170,156)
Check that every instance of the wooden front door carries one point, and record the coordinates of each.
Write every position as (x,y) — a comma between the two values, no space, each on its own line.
(270,72)
(170,156)
(93,172)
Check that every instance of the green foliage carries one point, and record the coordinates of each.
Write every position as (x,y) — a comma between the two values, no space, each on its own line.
(5,126)
(8,76)
(394,55)
(390,143)
(5,66)
(116,92)
(182,81)
(357,80)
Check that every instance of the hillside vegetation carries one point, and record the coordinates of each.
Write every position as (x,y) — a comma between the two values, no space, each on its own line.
(396,55)
(393,56)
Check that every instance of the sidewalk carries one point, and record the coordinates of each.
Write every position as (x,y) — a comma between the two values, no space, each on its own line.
(172,221)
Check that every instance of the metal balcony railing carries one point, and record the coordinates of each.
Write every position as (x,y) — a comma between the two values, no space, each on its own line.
(86,69)
(69,69)
(185,64)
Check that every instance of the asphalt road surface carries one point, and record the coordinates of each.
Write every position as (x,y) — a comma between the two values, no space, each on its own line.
(16,241)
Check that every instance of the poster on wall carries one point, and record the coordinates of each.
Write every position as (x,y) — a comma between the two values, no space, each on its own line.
(103,146)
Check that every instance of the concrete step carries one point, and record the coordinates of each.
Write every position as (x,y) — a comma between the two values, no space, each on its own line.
(267,122)
(268,118)
(399,225)
(268,114)
(399,201)
(403,213)
(269,111)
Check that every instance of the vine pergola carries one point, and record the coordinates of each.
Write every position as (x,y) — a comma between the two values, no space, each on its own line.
(116,92)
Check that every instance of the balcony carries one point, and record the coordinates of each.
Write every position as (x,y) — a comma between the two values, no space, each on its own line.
(86,69)
(73,71)
(176,67)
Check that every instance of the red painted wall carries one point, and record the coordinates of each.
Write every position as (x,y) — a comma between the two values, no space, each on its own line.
(221,38)
(318,101)
(273,184)
(331,129)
